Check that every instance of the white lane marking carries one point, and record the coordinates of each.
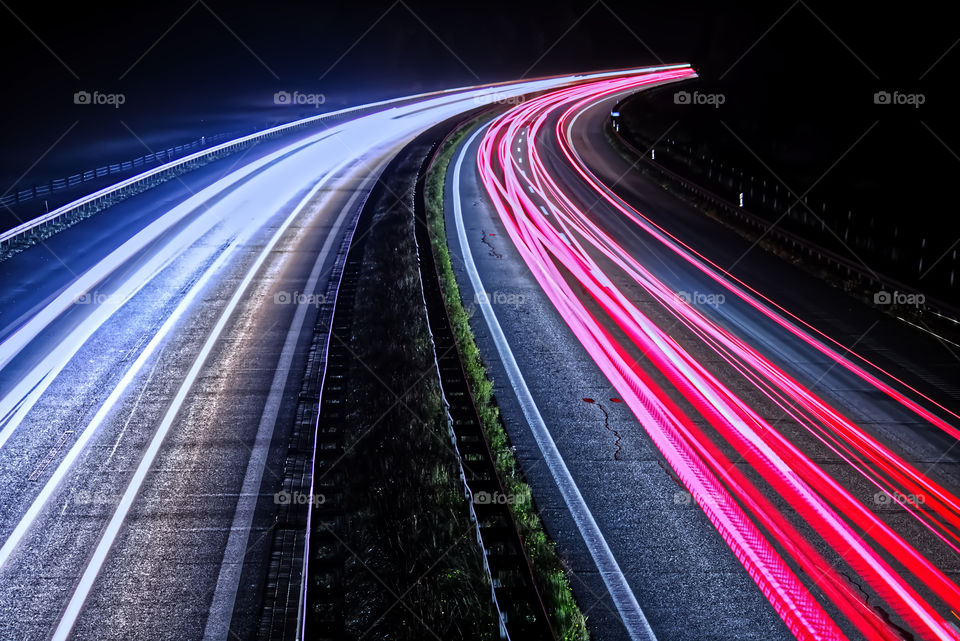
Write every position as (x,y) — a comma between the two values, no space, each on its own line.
(35,383)
(133,410)
(23,397)
(225,595)
(109,535)
(95,564)
(30,516)
(623,597)
(924,329)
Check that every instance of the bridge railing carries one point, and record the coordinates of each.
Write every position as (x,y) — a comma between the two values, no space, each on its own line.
(46,224)
(61,217)
(160,156)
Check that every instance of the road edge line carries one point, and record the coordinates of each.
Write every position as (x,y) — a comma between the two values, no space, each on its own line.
(623,597)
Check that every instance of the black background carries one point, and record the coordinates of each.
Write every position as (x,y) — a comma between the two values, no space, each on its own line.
(798,78)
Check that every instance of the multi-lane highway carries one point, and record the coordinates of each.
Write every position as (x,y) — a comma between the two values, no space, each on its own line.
(713,465)
(711,456)
(149,358)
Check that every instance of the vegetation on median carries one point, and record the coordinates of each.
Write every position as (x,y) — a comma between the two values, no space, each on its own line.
(567,619)
(413,565)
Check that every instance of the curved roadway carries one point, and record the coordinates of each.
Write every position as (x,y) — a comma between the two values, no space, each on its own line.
(149,362)
(742,470)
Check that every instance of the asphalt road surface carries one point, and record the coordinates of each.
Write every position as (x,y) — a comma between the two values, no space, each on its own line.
(148,372)
(721,434)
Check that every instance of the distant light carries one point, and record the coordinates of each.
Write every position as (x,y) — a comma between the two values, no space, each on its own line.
(614,114)
(741,199)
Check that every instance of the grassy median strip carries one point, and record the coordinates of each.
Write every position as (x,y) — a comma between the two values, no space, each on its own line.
(413,569)
(567,619)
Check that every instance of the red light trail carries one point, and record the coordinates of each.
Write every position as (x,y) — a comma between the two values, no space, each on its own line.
(563,245)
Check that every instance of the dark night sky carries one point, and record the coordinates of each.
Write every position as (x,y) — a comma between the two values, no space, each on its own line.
(198,69)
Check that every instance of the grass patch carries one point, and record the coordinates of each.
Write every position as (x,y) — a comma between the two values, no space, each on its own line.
(567,620)
(414,566)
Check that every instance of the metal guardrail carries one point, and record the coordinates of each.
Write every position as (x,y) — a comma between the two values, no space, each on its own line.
(18,196)
(445,349)
(87,205)
(324,329)
(797,242)
(328,315)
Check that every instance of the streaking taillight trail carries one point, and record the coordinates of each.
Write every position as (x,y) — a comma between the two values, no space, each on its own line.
(562,244)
